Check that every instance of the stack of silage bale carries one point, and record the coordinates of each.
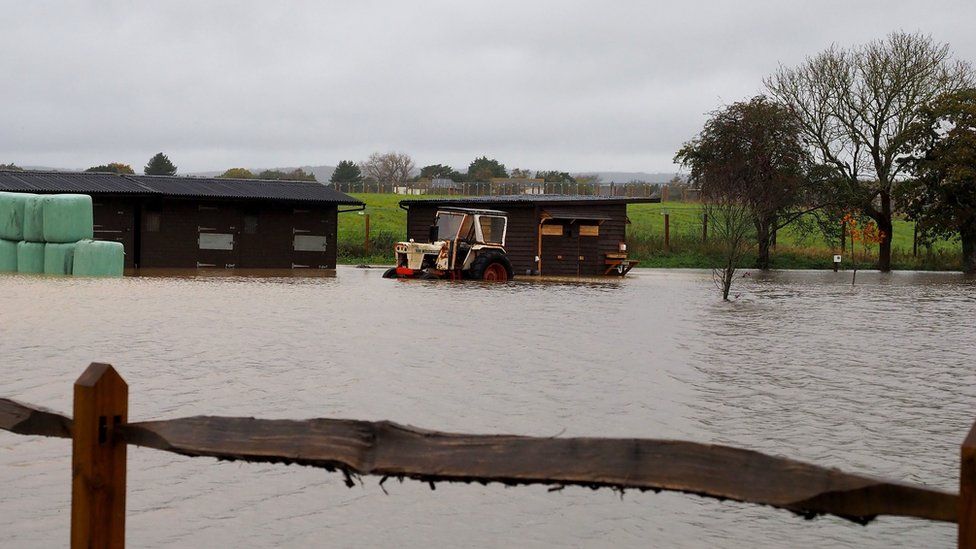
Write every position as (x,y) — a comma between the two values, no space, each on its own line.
(52,234)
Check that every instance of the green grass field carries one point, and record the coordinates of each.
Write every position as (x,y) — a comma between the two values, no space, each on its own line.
(645,239)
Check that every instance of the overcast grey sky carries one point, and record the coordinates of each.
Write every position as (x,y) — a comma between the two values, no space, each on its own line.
(542,85)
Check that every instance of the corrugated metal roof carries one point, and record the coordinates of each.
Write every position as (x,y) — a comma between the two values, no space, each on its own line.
(471,210)
(160,185)
(530,199)
(64,182)
(565,213)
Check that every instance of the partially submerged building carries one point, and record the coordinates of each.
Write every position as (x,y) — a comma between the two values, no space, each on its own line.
(547,234)
(188,222)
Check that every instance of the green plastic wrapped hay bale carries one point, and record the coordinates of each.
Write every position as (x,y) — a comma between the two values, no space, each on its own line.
(58,258)
(30,257)
(8,256)
(34,218)
(98,258)
(68,218)
(12,215)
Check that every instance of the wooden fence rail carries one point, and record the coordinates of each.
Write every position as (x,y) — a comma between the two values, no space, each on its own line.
(100,433)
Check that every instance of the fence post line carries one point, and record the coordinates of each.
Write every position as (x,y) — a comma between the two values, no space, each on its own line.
(967,492)
(101,402)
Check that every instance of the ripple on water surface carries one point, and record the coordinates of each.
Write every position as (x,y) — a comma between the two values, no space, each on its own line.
(877,378)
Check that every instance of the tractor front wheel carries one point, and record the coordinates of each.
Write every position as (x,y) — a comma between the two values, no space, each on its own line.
(390,273)
(492,266)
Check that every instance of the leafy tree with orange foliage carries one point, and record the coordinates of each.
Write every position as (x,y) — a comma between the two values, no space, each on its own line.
(867,234)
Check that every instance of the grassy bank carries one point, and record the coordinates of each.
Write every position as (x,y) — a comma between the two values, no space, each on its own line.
(645,239)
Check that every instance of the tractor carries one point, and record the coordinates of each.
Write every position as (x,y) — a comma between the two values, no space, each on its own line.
(464,243)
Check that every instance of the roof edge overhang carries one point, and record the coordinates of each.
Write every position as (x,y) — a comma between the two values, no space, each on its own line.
(141,190)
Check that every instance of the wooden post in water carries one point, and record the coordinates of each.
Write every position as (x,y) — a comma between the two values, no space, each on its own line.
(98,459)
(967,492)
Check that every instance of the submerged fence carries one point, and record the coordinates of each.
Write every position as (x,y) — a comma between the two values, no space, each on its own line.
(100,432)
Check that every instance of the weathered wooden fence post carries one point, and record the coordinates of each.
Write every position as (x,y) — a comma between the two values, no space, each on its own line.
(967,492)
(915,239)
(366,240)
(667,232)
(98,459)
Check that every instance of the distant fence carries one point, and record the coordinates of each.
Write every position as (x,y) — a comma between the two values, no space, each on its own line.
(484,188)
(100,433)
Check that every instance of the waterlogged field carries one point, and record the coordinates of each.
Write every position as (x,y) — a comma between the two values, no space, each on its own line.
(877,378)
(796,249)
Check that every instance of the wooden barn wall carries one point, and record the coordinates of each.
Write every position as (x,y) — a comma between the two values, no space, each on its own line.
(314,221)
(419,220)
(115,220)
(262,234)
(561,254)
(173,241)
(612,233)
(520,240)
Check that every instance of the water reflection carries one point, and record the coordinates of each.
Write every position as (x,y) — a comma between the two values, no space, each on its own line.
(876,378)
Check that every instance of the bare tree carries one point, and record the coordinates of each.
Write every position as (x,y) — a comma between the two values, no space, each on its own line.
(721,162)
(730,225)
(856,106)
(391,167)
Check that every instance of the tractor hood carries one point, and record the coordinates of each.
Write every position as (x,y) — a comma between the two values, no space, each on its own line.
(419,255)
(420,247)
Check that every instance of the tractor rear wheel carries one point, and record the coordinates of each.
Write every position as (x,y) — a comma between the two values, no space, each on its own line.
(390,273)
(492,265)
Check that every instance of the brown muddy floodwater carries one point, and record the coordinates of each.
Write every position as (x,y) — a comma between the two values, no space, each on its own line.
(877,379)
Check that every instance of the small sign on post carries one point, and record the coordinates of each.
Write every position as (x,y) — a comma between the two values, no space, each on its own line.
(837,259)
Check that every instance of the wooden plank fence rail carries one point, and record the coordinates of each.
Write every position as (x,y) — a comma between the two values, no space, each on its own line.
(388,449)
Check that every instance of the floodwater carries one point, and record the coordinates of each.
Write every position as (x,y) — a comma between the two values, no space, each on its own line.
(876,379)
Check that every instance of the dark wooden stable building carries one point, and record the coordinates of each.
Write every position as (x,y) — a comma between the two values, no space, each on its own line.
(189,222)
(571,235)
